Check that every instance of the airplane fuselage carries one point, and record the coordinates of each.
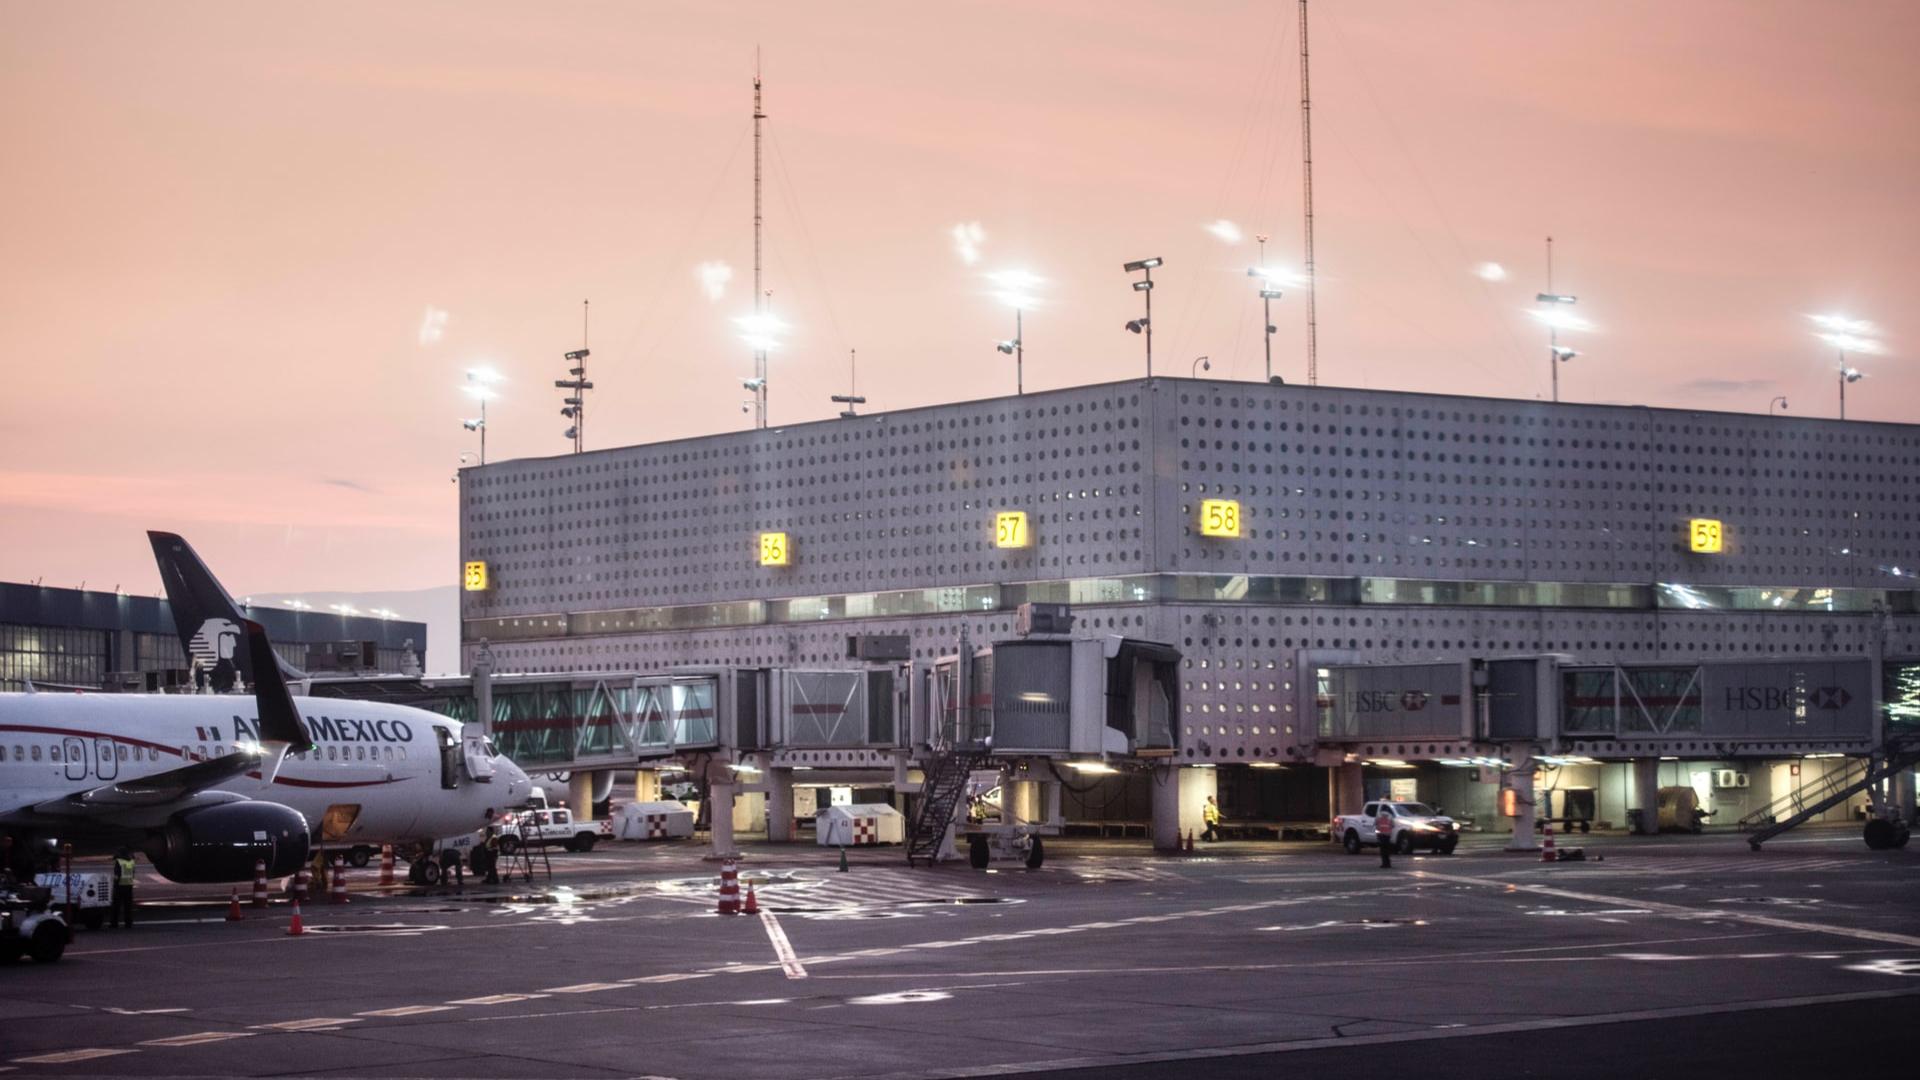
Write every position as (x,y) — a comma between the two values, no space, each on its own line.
(378,773)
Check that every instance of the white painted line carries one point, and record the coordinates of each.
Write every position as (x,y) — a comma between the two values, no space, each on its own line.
(495,999)
(583,988)
(198,1038)
(69,1056)
(407,1010)
(782,948)
(671,977)
(314,1023)
(1676,909)
(1116,1060)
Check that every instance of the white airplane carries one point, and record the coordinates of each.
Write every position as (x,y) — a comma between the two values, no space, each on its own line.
(206,784)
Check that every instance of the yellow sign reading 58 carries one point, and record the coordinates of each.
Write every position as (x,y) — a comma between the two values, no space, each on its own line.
(1220,517)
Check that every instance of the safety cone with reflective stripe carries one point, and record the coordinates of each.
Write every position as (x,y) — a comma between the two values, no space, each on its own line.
(729,888)
(300,883)
(386,864)
(338,894)
(296,928)
(753,902)
(1546,846)
(233,905)
(259,883)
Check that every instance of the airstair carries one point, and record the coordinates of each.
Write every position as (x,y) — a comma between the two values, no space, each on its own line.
(945,785)
(1898,754)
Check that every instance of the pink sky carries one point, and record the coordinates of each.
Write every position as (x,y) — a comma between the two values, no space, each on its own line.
(223,224)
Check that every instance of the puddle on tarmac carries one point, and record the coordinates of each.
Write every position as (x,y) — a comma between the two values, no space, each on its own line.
(1558,912)
(1783,901)
(1368,924)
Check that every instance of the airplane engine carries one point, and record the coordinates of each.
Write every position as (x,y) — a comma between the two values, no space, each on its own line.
(221,843)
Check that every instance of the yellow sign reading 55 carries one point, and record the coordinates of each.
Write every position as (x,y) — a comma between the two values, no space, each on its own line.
(1220,517)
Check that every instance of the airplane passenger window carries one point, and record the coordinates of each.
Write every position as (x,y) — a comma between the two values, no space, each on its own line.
(118,751)
(203,750)
(54,754)
(36,753)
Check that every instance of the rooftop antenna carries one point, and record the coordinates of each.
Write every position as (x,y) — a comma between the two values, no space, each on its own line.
(574,405)
(1306,160)
(852,397)
(759,294)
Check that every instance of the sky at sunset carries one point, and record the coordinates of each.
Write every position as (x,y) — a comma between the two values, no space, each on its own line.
(247,250)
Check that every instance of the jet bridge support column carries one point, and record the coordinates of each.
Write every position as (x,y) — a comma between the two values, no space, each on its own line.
(1520,780)
(1646,794)
(580,795)
(780,805)
(1349,788)
(1166,807)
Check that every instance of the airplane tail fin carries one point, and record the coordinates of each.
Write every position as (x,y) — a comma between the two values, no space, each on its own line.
(281,729)
(206,618)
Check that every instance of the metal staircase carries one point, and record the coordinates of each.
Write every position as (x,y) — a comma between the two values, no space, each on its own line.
(1764,824)
(945,784)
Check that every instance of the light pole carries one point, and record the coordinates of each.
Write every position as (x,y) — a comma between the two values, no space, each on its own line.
(1199,362)
(1780,401)
(1144,325)
(1846,335)
(1268,294)
(851,399)
(758,330)
(1016,288)
(480,385)
(1556,355)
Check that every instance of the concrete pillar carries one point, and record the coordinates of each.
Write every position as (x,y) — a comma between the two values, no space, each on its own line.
(780,806)
(1520,780)
(1645,795)
(1017,802)
(1166,807)
(580,795)
(1347,790)
(1903,795)
(720,820)
(646,786)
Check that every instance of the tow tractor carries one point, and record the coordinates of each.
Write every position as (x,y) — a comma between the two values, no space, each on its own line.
(29,924)
(1004,836)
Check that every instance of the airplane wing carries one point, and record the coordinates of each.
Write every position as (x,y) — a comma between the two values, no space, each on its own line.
(158,789)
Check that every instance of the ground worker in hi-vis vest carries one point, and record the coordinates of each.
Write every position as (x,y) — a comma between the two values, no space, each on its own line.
(1383,832)
(123,873)
(1210,814)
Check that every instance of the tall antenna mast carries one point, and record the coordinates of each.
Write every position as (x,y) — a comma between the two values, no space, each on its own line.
(574,405)
(759,294)
(1306,160)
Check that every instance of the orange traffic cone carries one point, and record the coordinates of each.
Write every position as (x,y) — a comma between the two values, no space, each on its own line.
(1546,846)
(233,905)
(386,864)
(753,902)
(1188,846)
(296,928)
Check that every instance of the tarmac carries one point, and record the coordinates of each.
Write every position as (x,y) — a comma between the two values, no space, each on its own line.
(1661,956)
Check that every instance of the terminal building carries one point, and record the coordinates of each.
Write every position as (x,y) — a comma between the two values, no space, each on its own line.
(1510,608)
(65,638)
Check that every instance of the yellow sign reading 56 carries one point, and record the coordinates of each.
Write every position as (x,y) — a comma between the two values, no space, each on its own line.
(775,550)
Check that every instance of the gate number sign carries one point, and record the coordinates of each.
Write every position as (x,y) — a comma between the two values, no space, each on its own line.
(1010,529)
(1705,535)
(1220,517)
(774,549)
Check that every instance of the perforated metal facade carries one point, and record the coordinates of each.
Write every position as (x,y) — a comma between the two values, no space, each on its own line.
(1377,526)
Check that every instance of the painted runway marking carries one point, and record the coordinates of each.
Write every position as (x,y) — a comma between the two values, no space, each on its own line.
(583,988)
(407,1010)
(495,999)
(782,948)
(315,1023)
(198,1038)
(68,1056)
(1676,909)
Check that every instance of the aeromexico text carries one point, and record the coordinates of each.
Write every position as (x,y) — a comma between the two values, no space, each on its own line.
(331,729)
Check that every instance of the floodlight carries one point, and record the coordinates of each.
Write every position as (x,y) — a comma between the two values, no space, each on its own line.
(1142,286)
(1136,325)
(1555,298)
(1143,264)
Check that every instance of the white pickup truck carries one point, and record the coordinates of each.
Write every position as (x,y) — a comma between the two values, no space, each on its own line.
(1415,826)
(541,827)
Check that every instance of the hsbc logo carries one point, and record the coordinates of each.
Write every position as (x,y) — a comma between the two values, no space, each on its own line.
(1784,698)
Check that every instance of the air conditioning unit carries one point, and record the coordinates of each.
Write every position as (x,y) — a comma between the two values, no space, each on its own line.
(1729,778)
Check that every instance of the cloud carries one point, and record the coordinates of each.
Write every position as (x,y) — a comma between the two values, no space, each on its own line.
(1727,386)
(713,279)
(433,326)
(1225,231)
(220,497)
(967,238)
(350,485)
